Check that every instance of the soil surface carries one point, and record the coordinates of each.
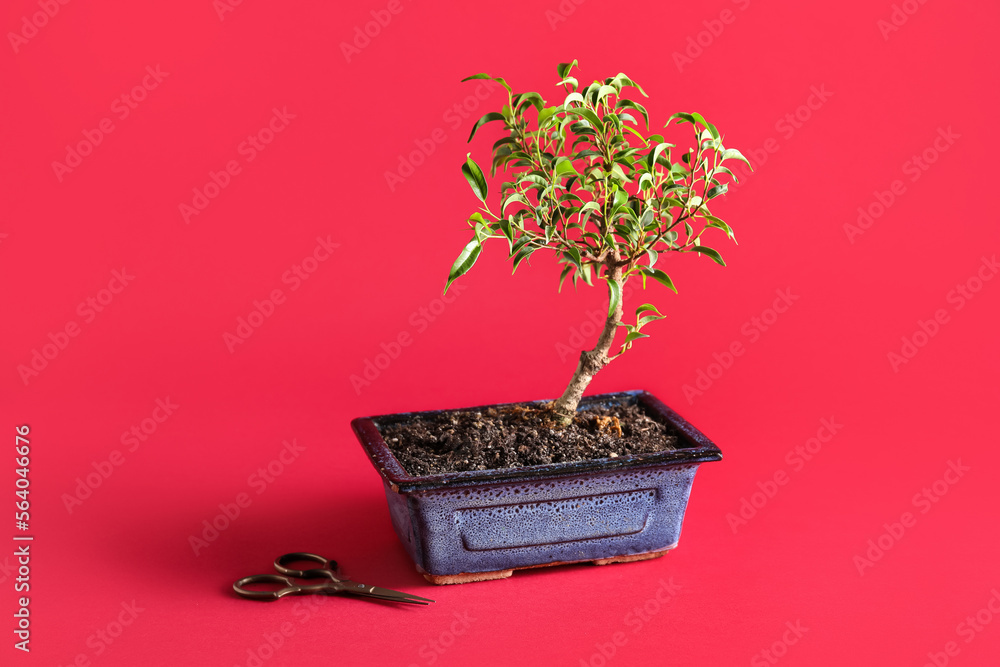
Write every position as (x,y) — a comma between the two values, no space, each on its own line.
(521,435)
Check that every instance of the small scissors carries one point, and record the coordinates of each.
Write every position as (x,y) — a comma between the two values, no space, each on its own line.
(327,570)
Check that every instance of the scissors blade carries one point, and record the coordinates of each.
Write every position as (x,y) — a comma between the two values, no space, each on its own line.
(380,593)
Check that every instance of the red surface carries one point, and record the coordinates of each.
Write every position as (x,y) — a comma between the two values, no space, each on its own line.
(162,337)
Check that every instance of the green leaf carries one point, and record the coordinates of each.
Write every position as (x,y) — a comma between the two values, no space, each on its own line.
(506,140)
(534,98)
(508,231)
(614,296)
(616,172)
(484,75)
(474,175)
(725,170)
(563,69)
(712,221)
(653,256)
(524,253)
(566,167)
(711,128)
(733,154)
(466,258)
(714,254)
(629,104)
(659,276)
(545,114)
(562,276)
(589,115)
(646,220)
(645,308)
(574,256)
(637,133)
(655,154)
(633,336)
(478,226)
(491,116)
(605,90)
(623,80)
(715,191)
(515,197)
(586,209)
(681,118)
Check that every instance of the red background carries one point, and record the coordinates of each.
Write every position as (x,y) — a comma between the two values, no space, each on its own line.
(323,175)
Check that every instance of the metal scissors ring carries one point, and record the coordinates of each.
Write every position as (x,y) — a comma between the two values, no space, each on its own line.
(327,570)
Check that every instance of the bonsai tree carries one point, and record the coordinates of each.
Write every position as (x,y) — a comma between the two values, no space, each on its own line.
(609,199)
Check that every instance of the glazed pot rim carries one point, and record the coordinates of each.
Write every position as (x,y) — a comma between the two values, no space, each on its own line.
(694,448)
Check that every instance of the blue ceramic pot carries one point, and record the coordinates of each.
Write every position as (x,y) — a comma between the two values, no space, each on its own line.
(484,524)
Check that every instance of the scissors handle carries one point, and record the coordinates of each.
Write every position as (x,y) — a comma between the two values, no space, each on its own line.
(326,570)
(288,587)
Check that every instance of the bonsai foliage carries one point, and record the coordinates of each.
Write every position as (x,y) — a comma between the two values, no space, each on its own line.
(607,198)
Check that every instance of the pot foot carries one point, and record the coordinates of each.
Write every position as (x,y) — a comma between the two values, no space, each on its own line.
(631,558)
(466,577)
(469,577)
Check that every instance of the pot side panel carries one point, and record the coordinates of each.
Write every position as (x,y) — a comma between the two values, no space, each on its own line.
(573,518)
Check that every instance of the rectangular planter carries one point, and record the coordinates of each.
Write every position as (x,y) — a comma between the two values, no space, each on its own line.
(483,524)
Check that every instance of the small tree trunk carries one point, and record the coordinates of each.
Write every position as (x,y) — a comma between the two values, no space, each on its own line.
(591,361)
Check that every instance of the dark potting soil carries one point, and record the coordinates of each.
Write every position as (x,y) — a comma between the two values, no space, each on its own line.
(521,435)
